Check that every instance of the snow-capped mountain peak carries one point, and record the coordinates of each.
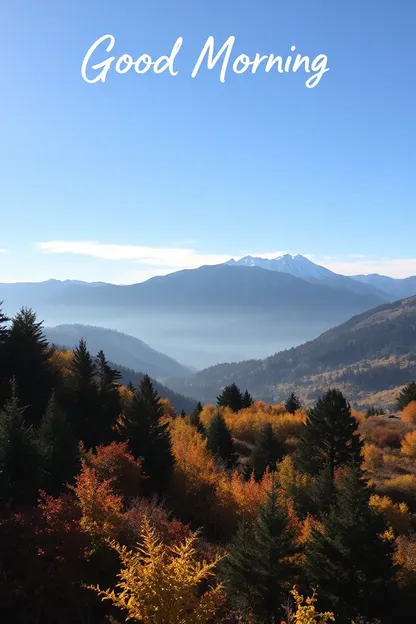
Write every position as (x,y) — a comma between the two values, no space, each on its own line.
(296,265)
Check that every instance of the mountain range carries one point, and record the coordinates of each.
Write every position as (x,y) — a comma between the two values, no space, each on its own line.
(382,286)
(229,312)
(369,357)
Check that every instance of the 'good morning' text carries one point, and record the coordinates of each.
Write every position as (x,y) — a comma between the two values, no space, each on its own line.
(94,70)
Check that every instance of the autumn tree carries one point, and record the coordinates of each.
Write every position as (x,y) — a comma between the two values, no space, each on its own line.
(350,560)
(219,440)
(27,361)
(148,436)
(266,453)
(160,584)
(292,403)
(259,569)
(330,436)
(409,445)
(409,414)
(407,394)
(231,397)
(19,460)
(58,449)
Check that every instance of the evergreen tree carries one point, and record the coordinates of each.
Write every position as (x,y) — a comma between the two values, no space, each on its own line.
(292,403)
(27,361)
(149,437)
(231,397)
(330,436)
(219,440)
(58,450)
(82,398)
(349,560)
(108,397)
(406,396)
(247,399)
(259,570)
(320,494)
(19,460)
(4,333)
(267,451)
(195,419)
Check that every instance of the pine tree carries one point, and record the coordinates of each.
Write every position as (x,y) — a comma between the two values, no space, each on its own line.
(19,460)
(266,452)
(108,397)
(231,397)
(247,399)
(219,440)
(148,436)
(58,450)
(4,333)
(3,325)
(407,395)
(292,403)
(195,419)
(27,361)
(259,570)
(330,436)
(82,398)
(349,560)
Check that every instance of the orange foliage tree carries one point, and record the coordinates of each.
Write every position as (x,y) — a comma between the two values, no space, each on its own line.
(409,414)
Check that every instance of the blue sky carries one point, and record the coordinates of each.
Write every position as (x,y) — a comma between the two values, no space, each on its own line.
(146,174)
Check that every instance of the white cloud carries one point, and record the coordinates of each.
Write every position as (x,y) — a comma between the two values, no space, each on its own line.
(154,261)
(3,250)
(167,257)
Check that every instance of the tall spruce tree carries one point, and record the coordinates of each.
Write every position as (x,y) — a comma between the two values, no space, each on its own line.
(267,451)
(292,403)
(108,397)
(4,333)
(148,436)
(247,400)
(195,419)
(82,400)
(349,561)
(407,395)
(27,361)
(19,461)
(259,570)
(219,440)
(330,436)
(231,397)
(58,450)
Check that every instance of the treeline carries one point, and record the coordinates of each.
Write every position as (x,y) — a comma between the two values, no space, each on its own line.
(114,506)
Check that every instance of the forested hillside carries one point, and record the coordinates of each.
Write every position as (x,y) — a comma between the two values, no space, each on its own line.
(370,353)
(114,507)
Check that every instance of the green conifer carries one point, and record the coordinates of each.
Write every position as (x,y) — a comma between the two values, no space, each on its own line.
(219,440)
(406,396)
(349,561)
(330,436)
(231,397)
(195,419)
(247,400)
(292,403)
(19,461)
(58,449)
(267,451)
(149,437)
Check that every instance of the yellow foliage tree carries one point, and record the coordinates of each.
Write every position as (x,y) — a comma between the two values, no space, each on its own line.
(373,457)
(396,514)
(61,361)
(305,611)
(409,445)
(409,414)
(160,584)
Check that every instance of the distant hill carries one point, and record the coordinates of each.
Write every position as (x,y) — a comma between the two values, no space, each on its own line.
(368,355)
(128,351)
(178,401)
(394,288)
